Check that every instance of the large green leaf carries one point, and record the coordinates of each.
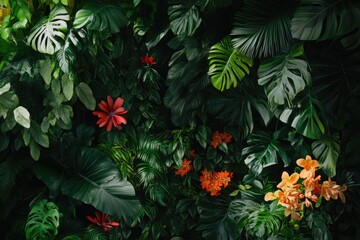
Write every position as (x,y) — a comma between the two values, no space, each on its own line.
(47,35)
(304,118)
(22,116)
(91,177)
(43,221)
(215,222)
(227,65)
(327,150)
(323,19)
(284,76)
(263,151)
(184,19)
(100,17)
(85,95)
(262,28)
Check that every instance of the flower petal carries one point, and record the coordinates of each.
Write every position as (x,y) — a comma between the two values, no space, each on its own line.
(110,102)
(118,103)
(109,126)
(104,106)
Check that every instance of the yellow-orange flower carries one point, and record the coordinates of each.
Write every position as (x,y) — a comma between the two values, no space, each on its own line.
(185,168)
(213,181)
(309,165)
(311,184)
(331,190)
(288,181)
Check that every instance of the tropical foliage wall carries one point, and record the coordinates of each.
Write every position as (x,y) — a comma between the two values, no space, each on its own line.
(168,119)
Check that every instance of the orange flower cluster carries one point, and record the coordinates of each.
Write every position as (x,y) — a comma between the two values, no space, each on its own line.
(213,181)
(218,138)
(302,189)
(186,165)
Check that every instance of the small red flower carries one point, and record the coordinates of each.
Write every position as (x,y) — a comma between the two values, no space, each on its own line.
(102,220)
(111,113)
(147,60)
(184,168)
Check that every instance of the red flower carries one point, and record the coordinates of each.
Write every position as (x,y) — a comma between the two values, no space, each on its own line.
(111,113)
(147,60)
(101,219)
(218,138)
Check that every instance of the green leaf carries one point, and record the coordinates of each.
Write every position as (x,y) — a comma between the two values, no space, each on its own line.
(67,85)
(38,135)
(184,19)
(34,150)
(5,88)
(90,176)
(215,222)
(318,222)
(263,151)
(43,221)
(8,101)
(4,141)
(227,65)
(261,29)
(45,70)
(327,151)
(100,17)
(47,34)
(22,116)
(86,96)
(284,76)
(322,19)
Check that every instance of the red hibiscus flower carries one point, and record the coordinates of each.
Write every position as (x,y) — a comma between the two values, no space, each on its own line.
(102,220)
(111,113)
(147,60)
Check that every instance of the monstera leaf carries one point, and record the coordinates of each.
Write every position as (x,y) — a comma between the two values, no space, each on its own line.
(284,76)
(263,151)
(227,65)
(100,17)
(305,119)
(185,18)
(43,221)
(262,28)
(215,222)
(90,176)
(327,151)
(323,19)
(47,35)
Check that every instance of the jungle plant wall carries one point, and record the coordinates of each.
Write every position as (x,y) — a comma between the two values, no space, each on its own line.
(199,119)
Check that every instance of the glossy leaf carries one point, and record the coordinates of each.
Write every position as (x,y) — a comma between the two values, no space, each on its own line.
(91,177)
(327,150)
(22,116)
(184,19)
(322,20)
(263,151)
(86,96)
(261,29)
(227,65)
(284,76)
(43,221)
(47,35)
(100,17)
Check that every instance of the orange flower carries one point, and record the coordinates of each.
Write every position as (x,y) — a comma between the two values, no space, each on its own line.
(309,165)
(288,181)
(218,138)
(311,184)
(331,190)
(185,168)
(213,181)
(111,113)
(273,195)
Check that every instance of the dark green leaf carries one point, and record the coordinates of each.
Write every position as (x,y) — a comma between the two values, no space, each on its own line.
(86,96)
(327,150)
(184,19)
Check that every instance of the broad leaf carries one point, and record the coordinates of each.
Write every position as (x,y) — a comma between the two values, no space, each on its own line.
(8,101)
(227,65)
(86,96)
(100,17)
(262,28)
(38,135)
(43,221)
(215,222)
(67,84)
(47,35)
(22,116)
(323,19)
(305,119)
(45,70)
(327,150)
(91,177)
(184,19)
(284,76)
(263,151)
(318,223)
